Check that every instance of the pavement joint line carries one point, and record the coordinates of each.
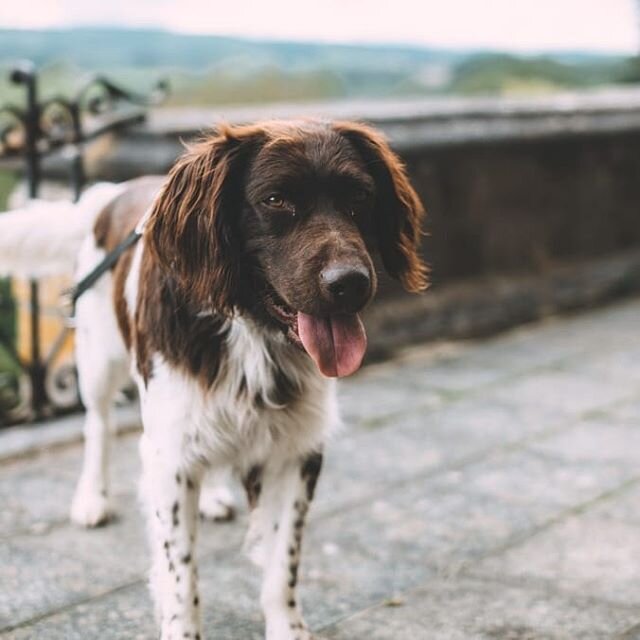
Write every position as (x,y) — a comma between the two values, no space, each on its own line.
(541,584)
(630,633)
(52,525)
(30,453)
(564,515)
(64,608)
(370,607)
(449,396)
(479,578)
(463,462)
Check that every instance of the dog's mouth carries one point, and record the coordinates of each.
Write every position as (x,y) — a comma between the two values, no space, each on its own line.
(336,342)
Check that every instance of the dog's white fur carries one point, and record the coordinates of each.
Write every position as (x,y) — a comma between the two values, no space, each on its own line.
(43,238)
(186,430)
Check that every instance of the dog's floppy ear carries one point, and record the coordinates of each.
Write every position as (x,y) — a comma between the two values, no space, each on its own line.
(399,213)
(191,226)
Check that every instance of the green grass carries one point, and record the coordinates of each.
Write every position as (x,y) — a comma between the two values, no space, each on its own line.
(8,181)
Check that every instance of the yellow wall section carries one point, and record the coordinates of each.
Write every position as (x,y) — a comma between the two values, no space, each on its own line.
(51,321)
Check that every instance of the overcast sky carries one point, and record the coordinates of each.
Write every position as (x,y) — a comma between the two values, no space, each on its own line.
(519,25)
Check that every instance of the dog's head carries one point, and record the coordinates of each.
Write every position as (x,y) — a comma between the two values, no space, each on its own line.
(282,219)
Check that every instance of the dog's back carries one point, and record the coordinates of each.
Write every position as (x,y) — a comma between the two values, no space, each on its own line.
(121,215)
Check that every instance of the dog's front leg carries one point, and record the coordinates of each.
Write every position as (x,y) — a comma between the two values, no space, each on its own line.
(280,495)
(171,489)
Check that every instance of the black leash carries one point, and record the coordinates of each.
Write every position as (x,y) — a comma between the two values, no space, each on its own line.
(71,295)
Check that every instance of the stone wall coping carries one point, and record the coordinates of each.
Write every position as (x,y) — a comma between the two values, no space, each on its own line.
(415,123)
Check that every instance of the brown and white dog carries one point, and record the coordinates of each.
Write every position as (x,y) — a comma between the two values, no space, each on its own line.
(233,313)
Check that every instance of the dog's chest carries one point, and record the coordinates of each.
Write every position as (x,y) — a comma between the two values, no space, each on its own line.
(267,394)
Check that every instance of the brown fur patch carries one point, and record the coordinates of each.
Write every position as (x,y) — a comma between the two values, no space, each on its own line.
(399,214)
(167,323)
(114,223)
(119,218)
(120,301)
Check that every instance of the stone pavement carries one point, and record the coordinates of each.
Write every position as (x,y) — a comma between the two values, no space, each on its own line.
(484,490)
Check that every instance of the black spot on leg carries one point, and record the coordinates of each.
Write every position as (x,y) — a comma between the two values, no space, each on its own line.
(172,567)
(293,574)
(196,602)
(310,471)
(252,485)
(312,464)
(291,603)
(190,484)
(178,478)
(186,559)
(292,551)
(174,514)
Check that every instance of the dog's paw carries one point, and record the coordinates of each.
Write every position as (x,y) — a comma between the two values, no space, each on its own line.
(217,503)
(90,508)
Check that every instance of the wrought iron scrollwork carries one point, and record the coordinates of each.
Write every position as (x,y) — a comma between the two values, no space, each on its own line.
(12,130)
(32,132)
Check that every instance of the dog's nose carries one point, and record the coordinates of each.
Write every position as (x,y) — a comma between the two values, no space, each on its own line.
(347,287)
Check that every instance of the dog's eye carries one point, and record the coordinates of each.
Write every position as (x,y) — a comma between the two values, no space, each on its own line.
(276,201)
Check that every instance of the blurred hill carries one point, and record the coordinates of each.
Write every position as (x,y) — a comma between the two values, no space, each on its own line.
(207,70)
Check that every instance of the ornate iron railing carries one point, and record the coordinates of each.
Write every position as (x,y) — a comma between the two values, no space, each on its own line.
(28,134)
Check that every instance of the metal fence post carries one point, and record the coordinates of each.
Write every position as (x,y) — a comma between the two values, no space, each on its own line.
(25,74)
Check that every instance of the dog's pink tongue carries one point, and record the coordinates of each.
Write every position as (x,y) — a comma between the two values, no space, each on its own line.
(336,343)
